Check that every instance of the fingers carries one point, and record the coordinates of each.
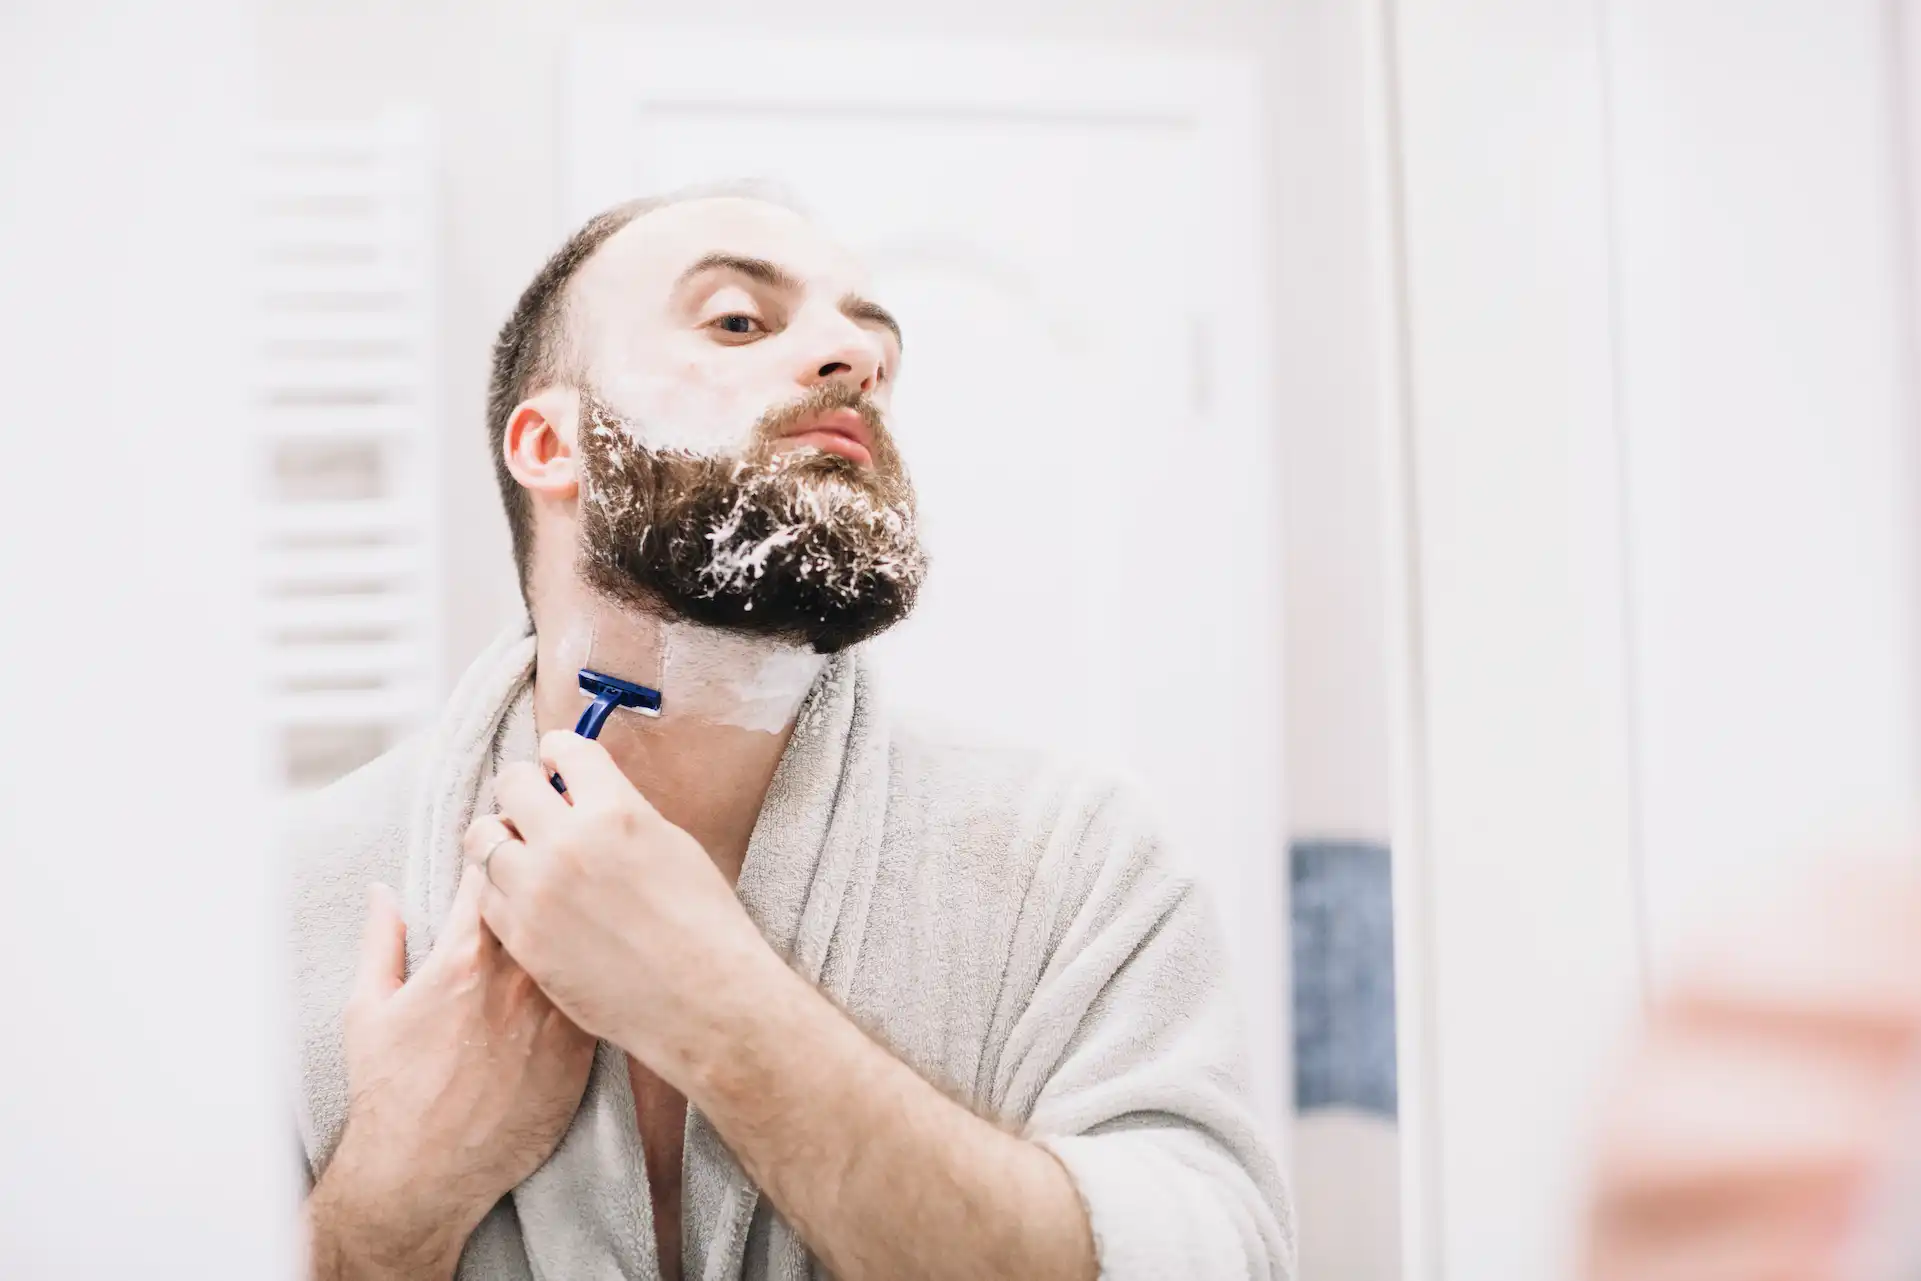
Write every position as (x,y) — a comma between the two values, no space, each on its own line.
(529,802)
(383,947)
(591,775)
(495,859)
(464,917)
(1717,1115)
(497,912)
(497,862)
(1844,948)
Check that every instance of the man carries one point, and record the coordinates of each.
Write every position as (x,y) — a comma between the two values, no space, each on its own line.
(776,986)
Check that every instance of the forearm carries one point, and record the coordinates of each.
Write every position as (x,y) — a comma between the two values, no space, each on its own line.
(880,1173)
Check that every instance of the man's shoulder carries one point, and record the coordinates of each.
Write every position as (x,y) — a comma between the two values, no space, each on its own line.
(336,843)
(1008,850)
(979,797)
(340,840)
(357,819)
(950,764)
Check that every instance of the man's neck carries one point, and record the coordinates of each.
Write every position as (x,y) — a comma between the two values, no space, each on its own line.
(728,704)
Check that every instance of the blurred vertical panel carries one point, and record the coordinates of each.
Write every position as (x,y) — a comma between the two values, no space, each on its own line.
(142,1127)
(1764,293)
(348,440)
(1516,915)
(1659,510)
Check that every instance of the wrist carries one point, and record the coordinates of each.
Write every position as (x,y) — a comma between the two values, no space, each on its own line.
(775,1040)
(739,996)
(371,1235)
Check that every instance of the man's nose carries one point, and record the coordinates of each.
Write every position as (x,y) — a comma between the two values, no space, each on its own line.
(845,353)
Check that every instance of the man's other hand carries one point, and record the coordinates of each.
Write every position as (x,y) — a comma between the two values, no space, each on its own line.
(1771,1094)
(462,1080)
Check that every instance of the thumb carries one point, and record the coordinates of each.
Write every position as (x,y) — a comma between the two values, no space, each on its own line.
(383,946)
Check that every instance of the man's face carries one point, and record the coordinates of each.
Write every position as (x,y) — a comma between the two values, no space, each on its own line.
(736,464)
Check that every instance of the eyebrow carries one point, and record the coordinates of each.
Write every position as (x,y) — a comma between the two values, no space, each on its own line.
(855,307)
(767,273)
(774,276)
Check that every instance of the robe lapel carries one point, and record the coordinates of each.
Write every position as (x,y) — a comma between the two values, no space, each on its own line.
(807,882)
(587,1212)
(483,719)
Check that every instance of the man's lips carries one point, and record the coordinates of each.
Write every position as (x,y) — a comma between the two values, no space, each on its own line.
(838,431)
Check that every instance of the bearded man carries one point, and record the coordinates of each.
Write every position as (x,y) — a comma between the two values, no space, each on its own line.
(764,983)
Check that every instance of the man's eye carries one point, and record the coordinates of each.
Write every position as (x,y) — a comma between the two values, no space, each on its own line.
(738,323)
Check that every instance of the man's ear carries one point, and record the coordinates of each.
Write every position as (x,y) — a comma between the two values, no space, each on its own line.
(538,445)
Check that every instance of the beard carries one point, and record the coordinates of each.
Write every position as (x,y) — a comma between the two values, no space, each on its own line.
(794,544)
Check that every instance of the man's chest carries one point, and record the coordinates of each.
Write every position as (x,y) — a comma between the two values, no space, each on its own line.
(661,1115)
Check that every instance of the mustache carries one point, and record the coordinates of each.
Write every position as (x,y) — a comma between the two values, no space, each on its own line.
(774,425)
(777,422)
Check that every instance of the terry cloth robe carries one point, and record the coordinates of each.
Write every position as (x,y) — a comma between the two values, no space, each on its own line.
(1015,931)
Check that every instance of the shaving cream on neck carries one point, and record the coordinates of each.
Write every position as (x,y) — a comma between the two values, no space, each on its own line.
(703,673)
(752,682)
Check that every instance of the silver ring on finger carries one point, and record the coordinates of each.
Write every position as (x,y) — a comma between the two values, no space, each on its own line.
(487,859)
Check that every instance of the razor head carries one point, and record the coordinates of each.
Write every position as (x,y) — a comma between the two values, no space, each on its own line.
(607,693)
(599,685)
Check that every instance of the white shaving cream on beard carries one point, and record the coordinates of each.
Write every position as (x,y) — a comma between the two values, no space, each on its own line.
(703,673)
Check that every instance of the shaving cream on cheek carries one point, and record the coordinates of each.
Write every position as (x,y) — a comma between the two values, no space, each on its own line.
(680,413)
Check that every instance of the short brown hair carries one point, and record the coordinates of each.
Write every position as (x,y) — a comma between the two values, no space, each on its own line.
(531,353)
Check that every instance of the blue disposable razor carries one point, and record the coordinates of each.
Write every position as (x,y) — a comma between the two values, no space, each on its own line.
(608,692)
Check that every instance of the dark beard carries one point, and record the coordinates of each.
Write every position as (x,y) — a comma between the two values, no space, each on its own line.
(801,545)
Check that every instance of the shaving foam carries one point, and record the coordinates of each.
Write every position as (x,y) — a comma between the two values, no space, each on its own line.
(751,682)
(703,673)
(655,415)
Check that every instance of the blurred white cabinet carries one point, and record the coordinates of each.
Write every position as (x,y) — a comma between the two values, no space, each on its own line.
(1766,298)
(1073,245)
(1648,269)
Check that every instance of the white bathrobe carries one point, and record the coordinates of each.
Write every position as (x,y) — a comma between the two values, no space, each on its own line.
(1015,931)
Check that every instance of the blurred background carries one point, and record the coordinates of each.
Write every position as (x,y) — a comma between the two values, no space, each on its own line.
(1481,430)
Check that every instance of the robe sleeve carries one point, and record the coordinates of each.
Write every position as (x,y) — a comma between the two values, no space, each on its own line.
(1128,1065)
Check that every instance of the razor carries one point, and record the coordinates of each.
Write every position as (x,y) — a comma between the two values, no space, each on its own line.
(607,693)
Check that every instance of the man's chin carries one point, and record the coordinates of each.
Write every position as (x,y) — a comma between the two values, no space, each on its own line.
(793,542)
(824,631)
(781,605)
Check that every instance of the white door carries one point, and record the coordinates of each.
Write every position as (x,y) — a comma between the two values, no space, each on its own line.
(1072,250)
